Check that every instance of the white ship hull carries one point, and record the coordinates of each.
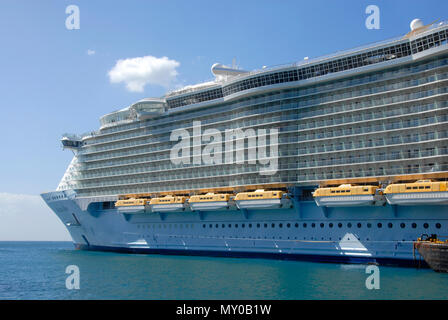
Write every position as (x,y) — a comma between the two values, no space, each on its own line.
(212,205)
(132,209)
(349,201)
(174,207)
(418,198)
(262,204)
(344,234)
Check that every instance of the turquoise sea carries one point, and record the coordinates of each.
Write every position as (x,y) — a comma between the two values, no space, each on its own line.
(36,270)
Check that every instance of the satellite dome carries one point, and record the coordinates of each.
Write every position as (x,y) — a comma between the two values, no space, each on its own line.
(416,23)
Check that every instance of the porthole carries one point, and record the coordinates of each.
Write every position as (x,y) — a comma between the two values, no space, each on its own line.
(414,225)
(304,225)
(216,225)
(322,225)
(402,225)
(243,225)
(250,225)
(288,225)
(210,225)
(369,225)
(258,225)
(390,225)
(296,225)
(313,225)
(425,225)
(330,225)
(265,225)
(340,225)
(438,225)
(236,225)
(380,225)
(349,225)
(203,226)
(230,226)
(273,225)
(223,226)
(280,225)
(359,225)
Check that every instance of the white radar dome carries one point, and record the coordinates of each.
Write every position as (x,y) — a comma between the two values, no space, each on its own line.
(416,23)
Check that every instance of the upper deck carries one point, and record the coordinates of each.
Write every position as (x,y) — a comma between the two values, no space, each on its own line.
(393,51)
(371,114)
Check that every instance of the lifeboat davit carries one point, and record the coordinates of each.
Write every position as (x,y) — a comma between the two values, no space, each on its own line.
(210,202)
(420,192)
(261,199)
(168,204)
(347,195)
(132,206)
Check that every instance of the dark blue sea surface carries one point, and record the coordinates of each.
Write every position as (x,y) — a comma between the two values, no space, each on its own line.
(36,270)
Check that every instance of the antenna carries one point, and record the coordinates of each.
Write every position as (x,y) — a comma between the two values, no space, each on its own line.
(234,66)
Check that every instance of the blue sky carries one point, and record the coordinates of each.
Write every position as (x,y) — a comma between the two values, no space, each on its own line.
(50,85)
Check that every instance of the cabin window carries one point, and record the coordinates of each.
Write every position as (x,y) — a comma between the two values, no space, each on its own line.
(304,225)
(369,225)
(340,225)
(349,225)
(280,225)
(390,225)
(438,225)
(425,225)
(313,225)
(216,225)
(243,225)
(380,225)
(223,226)
(273,225)
(296,225)
(427,187)
(265,225)
(359,225)
(402,225)
(258,225)
(414,225)
(288,225)
(330,225)
(322,225)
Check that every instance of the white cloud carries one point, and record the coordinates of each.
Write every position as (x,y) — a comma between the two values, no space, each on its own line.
(27,217)
(90,52)
(136,73)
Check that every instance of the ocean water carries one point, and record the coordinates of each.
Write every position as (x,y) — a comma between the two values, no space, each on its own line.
(36,270)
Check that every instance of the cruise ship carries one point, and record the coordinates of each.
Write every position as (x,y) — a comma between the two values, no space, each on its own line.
(342,158)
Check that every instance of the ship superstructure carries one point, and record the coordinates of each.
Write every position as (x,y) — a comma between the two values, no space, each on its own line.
(291,161)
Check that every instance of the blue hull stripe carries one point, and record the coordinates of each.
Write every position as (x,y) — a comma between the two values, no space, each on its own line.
(263,255)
